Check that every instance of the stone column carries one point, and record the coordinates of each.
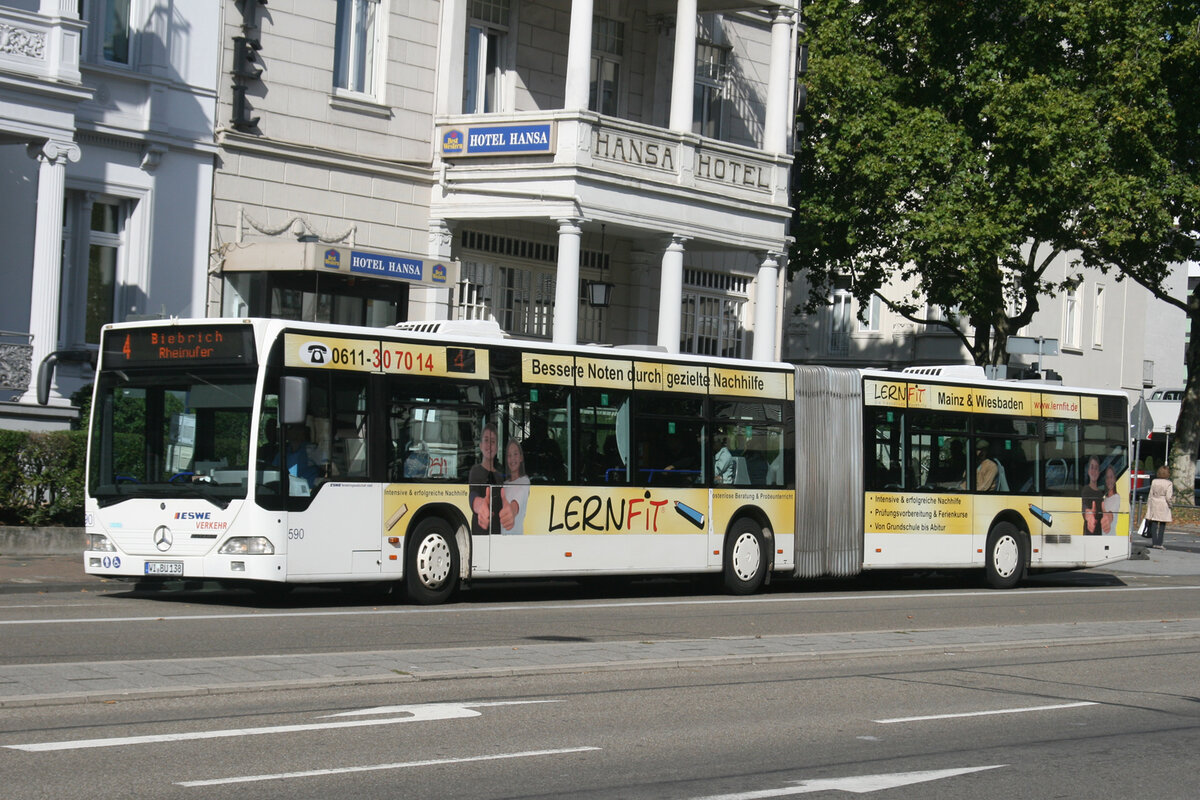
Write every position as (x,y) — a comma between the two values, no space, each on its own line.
(579,57)
(566,282)
(765,312)
(683,76)
(427,301)
(451,55)
(52,160)
(780,83)
(670,295)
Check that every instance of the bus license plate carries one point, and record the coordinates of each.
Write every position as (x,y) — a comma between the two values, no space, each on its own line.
(164,567)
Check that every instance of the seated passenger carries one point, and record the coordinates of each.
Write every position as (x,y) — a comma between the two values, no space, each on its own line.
(299,462)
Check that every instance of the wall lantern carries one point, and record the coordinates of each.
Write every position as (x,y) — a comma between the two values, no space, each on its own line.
(598,293)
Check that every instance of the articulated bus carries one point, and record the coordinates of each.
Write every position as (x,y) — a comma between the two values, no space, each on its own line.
(271,453)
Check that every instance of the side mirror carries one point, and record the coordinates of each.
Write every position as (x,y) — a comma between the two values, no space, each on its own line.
(293,399)
(44,376)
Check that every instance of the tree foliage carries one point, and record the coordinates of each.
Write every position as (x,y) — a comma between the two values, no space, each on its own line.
(959,147)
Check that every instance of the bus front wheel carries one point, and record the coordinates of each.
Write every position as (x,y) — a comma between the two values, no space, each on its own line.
(745,558)
(432,562)
(1006,556)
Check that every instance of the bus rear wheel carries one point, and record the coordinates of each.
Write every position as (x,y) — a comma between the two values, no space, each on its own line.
(745,558)
(431,564)
(1005,556)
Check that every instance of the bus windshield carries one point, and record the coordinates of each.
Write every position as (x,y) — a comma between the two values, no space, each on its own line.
(162,435)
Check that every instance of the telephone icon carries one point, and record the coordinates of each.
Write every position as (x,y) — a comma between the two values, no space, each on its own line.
(316,353)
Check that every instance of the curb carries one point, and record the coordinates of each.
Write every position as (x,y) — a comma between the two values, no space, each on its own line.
(21,540)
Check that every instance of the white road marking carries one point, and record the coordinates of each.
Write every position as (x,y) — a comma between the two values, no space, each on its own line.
(456,609)
(416,713)
(374,767)
(858,784)
(363,712)
(986,713)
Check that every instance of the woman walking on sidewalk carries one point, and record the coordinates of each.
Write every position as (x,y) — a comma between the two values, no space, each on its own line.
(1158,506)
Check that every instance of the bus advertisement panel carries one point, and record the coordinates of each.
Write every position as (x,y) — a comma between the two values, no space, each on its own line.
(956,460)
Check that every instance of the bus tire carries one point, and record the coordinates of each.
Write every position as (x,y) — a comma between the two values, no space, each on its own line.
(745,557)
(431,562)
(1006,556)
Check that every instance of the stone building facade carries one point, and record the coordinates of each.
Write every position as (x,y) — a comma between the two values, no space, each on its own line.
(106,158)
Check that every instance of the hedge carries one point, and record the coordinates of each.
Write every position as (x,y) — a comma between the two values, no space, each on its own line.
(41,477)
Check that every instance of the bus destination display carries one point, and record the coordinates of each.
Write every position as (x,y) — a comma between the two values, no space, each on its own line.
(180,345)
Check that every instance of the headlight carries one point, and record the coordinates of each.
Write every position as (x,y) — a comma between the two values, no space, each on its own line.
(98,542)
(248,546)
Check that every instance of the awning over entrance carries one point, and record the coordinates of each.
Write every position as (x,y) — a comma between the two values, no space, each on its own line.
(346,261)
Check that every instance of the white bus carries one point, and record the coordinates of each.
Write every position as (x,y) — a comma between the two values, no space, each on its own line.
(273,453)
(269,451)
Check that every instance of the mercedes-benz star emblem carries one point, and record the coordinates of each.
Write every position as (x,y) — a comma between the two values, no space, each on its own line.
(162,538)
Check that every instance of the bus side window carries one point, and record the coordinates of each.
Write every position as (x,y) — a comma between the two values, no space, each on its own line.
(1060,449)
(348,453)
(602,428)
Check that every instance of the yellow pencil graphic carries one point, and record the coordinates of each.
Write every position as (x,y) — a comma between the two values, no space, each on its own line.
(396,517)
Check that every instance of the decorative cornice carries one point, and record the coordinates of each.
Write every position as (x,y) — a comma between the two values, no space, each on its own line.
(21,42)
(152,156)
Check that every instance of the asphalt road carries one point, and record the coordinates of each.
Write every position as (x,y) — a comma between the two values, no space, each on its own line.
(125,625)
(1096,721)
(901,686)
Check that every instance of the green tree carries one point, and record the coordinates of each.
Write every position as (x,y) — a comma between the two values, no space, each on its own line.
(960,147)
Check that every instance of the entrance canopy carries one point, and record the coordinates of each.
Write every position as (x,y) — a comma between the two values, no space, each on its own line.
(338,260)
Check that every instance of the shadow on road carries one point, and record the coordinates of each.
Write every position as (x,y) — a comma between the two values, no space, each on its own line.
(590,589)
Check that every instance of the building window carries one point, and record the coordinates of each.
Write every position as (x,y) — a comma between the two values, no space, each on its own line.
(110,32)
(871,322)
(94,239)
(104,252)
(116,31)
(841,319)
(712,72)
(935,314)
(608,42)
(1071,325)
(713,314)
(520,299)
(1098,320)
(484,69)
(356,58)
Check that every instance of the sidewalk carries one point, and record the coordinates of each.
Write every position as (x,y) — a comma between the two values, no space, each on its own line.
(57,684)
(56,573)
